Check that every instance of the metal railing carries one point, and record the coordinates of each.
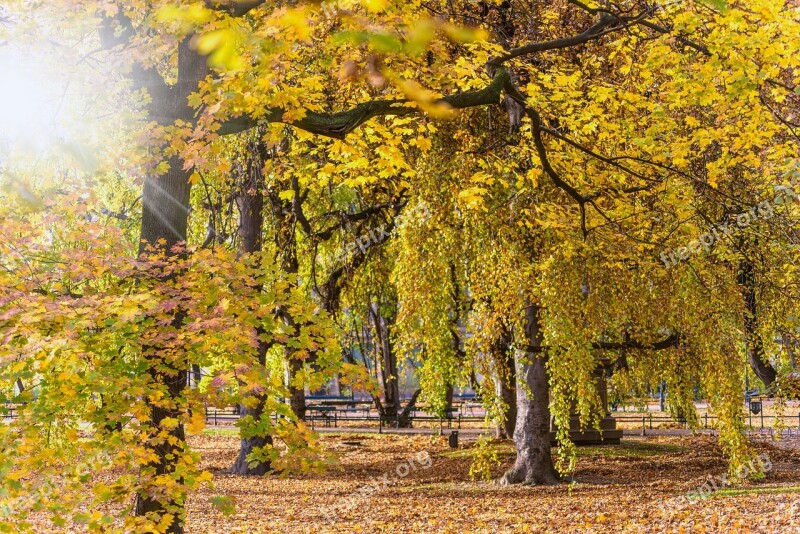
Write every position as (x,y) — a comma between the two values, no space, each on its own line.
(710,422)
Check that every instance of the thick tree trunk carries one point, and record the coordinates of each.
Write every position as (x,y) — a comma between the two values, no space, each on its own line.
(534,464)
(165,210)
(167,453)
(755,345)
(246,446)
(165,214)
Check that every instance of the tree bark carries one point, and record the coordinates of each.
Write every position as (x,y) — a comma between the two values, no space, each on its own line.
(167,452)
(448,396)
(284,217)
(755,345)
(297,392)
(165,211)
(534,463)
(165,215)
(390,407)
(250,202)
(505,382)
(248,445)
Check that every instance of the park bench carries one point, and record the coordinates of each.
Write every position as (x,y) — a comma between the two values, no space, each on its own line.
(10,411)
(218,415)
(322,412)
(356,408)
(450,414)
(471,406)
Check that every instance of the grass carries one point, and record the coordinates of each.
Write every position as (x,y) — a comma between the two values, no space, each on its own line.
(639,449)
(220,431)
(768,490)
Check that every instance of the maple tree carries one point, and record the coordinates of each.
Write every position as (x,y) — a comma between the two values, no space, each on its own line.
(562,151)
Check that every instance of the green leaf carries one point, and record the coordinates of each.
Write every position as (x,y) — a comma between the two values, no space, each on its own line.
(721,5)
(223,503)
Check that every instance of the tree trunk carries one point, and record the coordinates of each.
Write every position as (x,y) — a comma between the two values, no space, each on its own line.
(250,202)
(197,376)
(249,444)
(165,215)
(755,345)
(246,446)
(505,383)
(448,396)
(390,407)
(391,385)
(534,464)
(165,210)
(297,392)
(284,219)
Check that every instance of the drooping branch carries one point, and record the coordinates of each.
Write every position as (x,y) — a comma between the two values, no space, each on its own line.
(541,151)
(338,124)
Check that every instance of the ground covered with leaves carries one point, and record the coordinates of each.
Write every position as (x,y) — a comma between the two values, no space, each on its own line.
(391,483)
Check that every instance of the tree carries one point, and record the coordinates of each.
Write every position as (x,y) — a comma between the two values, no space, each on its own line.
(534,463)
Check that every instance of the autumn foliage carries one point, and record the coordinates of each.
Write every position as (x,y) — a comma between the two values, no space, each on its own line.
(482,189)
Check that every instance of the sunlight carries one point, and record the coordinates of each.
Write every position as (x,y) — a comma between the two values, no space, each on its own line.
(30,100)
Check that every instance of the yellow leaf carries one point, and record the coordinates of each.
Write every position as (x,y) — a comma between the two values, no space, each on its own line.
(169,423)
(375,5)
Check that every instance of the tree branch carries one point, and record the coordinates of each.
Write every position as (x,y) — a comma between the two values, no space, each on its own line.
(671,341)
(603,26)
(338,125)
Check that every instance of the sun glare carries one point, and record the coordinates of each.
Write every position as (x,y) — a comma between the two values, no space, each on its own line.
(30,100)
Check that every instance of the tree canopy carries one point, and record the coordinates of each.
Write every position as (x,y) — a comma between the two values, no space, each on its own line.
(264,192)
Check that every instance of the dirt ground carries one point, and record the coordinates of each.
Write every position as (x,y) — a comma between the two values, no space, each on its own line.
(391,483)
